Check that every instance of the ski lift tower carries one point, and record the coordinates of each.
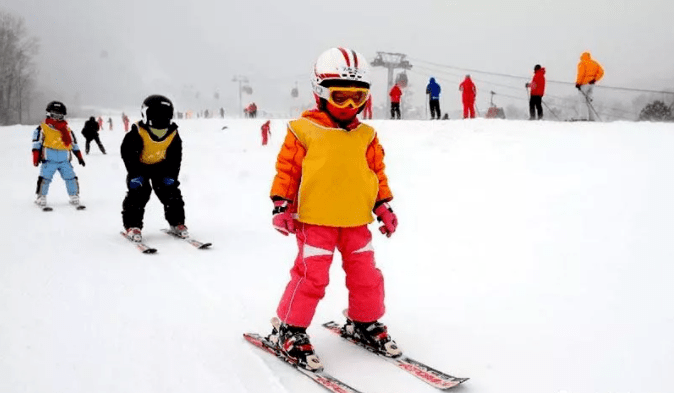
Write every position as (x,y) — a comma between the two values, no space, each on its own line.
(391,61)
(243,86)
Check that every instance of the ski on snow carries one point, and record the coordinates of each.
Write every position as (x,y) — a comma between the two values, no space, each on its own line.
(190,240)
(320,377)
(141,246)
(431,376)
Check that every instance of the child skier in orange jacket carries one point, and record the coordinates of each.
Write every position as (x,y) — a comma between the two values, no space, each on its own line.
(330,179)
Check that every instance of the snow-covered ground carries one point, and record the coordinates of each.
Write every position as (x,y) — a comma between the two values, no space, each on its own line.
(531,257)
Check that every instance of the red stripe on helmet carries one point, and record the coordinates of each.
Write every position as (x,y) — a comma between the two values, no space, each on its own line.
(323,76)
(346,56)
(355,59)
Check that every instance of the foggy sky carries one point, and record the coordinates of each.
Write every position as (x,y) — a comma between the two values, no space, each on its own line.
(114,53)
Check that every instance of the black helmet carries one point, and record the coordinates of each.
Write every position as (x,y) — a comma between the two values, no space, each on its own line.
(56,110)
(157,111)
(537,67)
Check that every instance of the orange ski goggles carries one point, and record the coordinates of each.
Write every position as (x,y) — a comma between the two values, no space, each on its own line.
(341,97)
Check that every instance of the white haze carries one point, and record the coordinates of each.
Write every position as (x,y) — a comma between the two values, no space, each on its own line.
(113,53)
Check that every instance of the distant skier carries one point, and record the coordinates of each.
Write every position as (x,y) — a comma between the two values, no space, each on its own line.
(110,123)
(433,91)
(395,95)
(100,123)
(589,73)
(266,132)
(251,110)
(329,179)
(537,86)
(53,146)
(125,120)
(90,133)
(468,97)
(152,154)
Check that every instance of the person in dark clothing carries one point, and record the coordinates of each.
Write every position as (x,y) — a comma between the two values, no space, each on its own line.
(152,154)
(433,90)
(537,86)
(90,133)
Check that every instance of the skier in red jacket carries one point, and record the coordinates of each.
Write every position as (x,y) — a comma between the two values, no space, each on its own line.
(125,119)
(265,133)
(469,92)
(395,94)
(537,86)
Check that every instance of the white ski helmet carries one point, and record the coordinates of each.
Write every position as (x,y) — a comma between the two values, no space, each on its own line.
(339,64)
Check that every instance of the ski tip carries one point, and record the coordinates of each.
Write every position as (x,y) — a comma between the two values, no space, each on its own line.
(47,209)
(81,207)
(150,251)
(205,246)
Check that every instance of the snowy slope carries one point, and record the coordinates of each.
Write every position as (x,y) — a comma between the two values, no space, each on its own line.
(531,257)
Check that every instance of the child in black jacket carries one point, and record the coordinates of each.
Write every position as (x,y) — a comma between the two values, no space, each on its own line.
(152,154)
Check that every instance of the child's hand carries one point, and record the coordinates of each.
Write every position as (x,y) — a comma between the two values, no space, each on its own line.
(80,159)
(283,220)
(386,216)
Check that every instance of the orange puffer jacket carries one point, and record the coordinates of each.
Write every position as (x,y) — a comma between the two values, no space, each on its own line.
(588,70)
(333,176)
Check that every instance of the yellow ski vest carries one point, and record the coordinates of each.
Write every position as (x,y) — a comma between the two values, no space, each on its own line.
(52,138)
(337,187)
(153,151)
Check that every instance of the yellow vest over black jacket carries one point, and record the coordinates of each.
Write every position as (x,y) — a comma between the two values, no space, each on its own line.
(146,155)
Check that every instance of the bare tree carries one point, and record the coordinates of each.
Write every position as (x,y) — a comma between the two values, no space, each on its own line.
(17,71)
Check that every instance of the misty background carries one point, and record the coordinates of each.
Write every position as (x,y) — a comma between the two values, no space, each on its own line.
(107,56)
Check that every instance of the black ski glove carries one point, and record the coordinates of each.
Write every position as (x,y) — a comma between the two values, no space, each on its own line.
(578,86)
(592,81)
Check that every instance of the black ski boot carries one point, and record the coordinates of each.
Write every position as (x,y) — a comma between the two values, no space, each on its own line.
(294,342)
(373,334)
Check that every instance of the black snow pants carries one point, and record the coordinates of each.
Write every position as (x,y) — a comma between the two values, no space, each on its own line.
(98,142)
(395,110)
(137,196)
(535,105)
(435,109)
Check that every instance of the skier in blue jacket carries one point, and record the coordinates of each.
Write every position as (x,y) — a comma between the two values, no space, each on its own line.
(433,90)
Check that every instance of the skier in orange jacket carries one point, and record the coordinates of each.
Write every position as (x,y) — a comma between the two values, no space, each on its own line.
(589,73)
(329,180)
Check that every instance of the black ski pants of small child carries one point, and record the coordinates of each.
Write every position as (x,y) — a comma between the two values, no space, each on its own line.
(138,194)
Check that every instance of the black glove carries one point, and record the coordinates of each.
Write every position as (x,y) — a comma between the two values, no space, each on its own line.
(592,82)
(578,86)
(527,85)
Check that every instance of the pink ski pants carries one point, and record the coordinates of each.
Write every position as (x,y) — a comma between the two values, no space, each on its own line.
(310,274)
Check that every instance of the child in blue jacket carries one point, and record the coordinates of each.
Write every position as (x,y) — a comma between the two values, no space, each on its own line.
(54,144)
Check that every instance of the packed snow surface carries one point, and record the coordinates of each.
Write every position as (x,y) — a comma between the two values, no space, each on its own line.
(531,257)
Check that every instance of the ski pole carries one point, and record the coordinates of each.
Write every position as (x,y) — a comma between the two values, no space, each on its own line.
(550,109)
(428,103)
(589,104)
